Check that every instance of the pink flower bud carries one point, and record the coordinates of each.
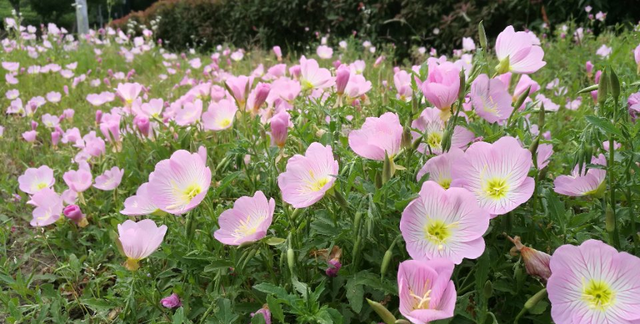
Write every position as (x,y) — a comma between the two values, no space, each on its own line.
(280,128)
(107,82)
(278,52)
(336,64)
(143,125)
(589,67)
(261,93)
(334,267)
(342,78)
(98,116)
(66,89)
(378,61)
(536,262)
(73,213)
(295,71)
(172,301)
(34,125)
(55,138)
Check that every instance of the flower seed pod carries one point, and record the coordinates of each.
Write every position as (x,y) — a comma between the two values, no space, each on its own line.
(382,311)
(385,262)
(536,262)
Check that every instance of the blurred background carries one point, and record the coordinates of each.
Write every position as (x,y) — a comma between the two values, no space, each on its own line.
(296,24)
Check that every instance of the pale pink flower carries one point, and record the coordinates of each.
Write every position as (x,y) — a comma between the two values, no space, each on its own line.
(257,97)
(357,67)
(220,115)
(30,136)
(439,167)
(442,85)
(377,136)
(517,53)
(140,203)
(78,180)
(432,127)
(34,180)
(247,221)
(190,113)
(179,183)
(468,44)
(128,92)
(312,76)
(109,180)
(342,78)
(445,224)
(308,177)
(50,121)
(604,51)
(11,66)
(636,56)
(54,97)
(139,240)
(48,207)
(543,155)
(239,87)
(356,87)
(100,99)
(324,52)
(402,82)
(278,52)
(426,290)
(12,94)
(491,99)
(593,283)
(589,182)
(496,173)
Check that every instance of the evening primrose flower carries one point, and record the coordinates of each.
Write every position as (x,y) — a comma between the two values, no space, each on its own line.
(78,180)
(589,182)
(48,207)
(426,290)
(308,177)
(517,53)
(496,174)
(442,86)
(439,167)
(593,283)
(491,99)
(432,128)
(128,92)
(140,203)
(377,137)
(110,179)
(34,180)
(220,115)
(247,221)
(139,240)
(312,76)
(179,183)
(446,224)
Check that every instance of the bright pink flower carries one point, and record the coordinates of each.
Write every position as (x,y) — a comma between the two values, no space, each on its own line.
(496,173)
(431,125)
(220,115)
(78,180)
(590,182)
(257,97)
(517,53)
(593,283)
(48,207)
(378,135)
(110,179)
(307,178)
(426,290)
(139,240)
(171,301)
(445,224)
(439,167)
(312,76)
(179,183)
(239,87)
(280,128)
(265,312)
(140,203)
(342,78)
(442,85)
(247,221)
(491,99)
(74,213)
(589,67)
(34,180)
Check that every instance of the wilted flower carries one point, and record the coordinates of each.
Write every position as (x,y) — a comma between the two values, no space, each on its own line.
(536,262)
(171,301)
(74,213)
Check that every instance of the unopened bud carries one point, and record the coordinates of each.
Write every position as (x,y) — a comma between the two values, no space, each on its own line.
(382,311)
(291,259)
(388,168)
(488,289)
(536,262)
(406,137)
(385,262)
(446,139)
(603,88)
(610,220)
(482,35)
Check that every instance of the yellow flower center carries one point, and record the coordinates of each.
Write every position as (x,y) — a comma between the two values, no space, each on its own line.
(497,188)
(132,264)
(421,302)
(245,228)
(598,295)
(41,185)
(224,122)
(191,192)
(434,139)
(319,184)
(306,85)
(445,183)
(438,232)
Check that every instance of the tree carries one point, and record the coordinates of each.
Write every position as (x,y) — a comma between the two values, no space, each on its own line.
(52,10)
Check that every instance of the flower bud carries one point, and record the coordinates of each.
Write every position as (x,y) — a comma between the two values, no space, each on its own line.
(406,137)
(291,259)
(171,301)
(143,125)
(334,267)
(536,262)
(382,311)
(610,220)
(74,213)
(482,35)
(385,262)
(55,138)
(98,116)
(342,78)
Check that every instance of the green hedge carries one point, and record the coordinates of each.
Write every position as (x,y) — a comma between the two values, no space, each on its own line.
(293,24)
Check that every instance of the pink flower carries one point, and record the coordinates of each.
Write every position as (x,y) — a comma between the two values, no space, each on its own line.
(334,266)
(109,180)
(431,125)
(604,51)
(220,115)
(324,52)
(439,167)
(247,221)
(307,178)
(314,77)
(402,82)
(128,92)
(257,97)
(445,224)
(100,99)
(590,182)
(73,213)
(265,312)
(589,67)
(491,99)
(496,173)
(171,301)
(357,86)
(636,56)
(342,78)
(278,52)
(48,207)
(468,44)
(140,203)
(30,136)
(544,155)
(34,180)
(517,53)
(536,262)
(442,85)
(54,97)
(179,183)
(593,283)
(79,180)
(239,87)
(378,135)
(426,290)
(280,128)
(139,240)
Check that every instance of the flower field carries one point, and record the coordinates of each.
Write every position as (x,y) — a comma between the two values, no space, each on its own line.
(495,184)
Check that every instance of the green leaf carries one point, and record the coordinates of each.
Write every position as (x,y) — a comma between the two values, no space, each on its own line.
(275,308)
(178,316)
(603,124)
(269,288)
(355,295)
(539,308)
(273,241)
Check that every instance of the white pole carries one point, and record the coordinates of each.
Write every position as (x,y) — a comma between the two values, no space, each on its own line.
(82,16)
